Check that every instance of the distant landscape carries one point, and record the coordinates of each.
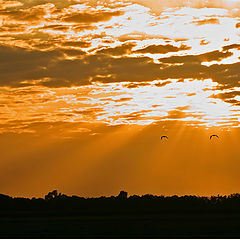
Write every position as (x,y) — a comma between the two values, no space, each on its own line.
(122,216)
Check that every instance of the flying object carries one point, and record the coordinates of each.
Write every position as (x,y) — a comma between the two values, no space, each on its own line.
(213,136)
(162,137)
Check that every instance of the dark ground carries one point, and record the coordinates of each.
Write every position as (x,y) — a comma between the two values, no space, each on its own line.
(148,216)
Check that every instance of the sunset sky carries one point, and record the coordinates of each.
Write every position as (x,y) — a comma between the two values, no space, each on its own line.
(87,89)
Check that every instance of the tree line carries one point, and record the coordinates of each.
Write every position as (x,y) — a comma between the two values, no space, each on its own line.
(61,202)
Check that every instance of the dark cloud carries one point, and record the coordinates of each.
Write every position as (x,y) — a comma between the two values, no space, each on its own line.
(76,44)
(42,45)
(228,97)
(12,28)
(91,17)
(88,112)
(123,99)
(136,85)
(133,69)
(132,116)
(162,84)
(24,92)
(26,15)
(18,65)
(234,102)
(191,94)
(73,52)
(207,21)
(68,73)
(204,42)
(227,75)
(232,46)
(53,12)
(82,27)
(161,49)
(205,57)
(55,27)
(32,36)
(119,50)
(58,3)
(126,99)
(156,105)
(237,25)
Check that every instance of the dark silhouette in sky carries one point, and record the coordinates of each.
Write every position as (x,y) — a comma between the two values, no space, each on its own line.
(162,137)
(214,135)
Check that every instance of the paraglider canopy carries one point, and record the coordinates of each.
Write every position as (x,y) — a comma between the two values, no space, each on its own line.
(214,135)
(162,137)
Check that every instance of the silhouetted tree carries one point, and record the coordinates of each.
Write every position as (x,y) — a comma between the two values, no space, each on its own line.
(4,197)
(52,195)
(122,195)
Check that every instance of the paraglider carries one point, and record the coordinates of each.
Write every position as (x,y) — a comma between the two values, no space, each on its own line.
(214,135)
(162,137)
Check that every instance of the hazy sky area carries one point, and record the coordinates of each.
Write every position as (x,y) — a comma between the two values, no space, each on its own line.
(87,89)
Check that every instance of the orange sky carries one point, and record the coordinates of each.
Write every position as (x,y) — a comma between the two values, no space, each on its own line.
(87,88)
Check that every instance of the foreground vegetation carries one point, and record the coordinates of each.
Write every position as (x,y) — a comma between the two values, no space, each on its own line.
(147,216)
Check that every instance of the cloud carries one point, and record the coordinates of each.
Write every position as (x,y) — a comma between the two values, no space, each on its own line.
(65,58)
(204,42)
(136,35)
(132,116)
(237,25)
(159,6)
(132,69)
(227,75)
(228,97)
(119,50)
(205,57)
(33,14)
(80,44)
(101,68)
(12,28)
(161,49)
(123,99)
(18,64)
(206,21)
(232,46)
(136,85)
(58,3)
(68,73)
(73,52)
(90,17)
(9,4)
(55,27)
(162,84)
(176,114)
